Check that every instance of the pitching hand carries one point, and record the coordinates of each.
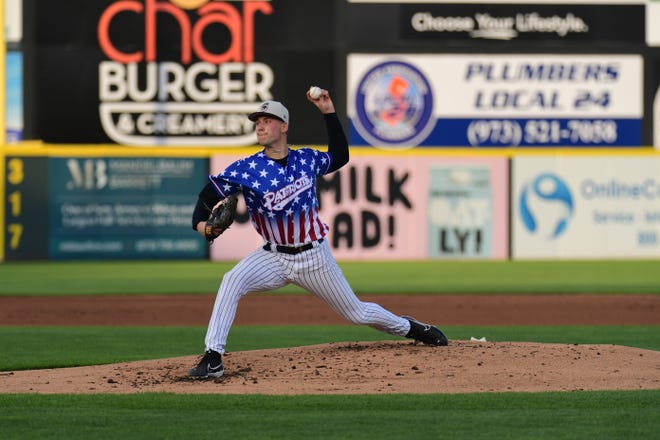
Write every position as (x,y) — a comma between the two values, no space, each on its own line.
(323,103)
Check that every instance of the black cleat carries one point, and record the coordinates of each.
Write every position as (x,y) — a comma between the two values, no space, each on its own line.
(210,365)
(425,333)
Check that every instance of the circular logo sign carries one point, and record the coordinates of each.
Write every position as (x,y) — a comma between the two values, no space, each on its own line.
(546,204)
(394,106)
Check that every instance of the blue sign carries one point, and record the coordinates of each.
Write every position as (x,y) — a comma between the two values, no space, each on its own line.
(124,208)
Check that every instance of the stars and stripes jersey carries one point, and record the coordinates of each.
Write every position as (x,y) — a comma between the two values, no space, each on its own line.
(281,200)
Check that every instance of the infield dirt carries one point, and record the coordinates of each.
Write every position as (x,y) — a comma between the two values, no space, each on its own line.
(356,367)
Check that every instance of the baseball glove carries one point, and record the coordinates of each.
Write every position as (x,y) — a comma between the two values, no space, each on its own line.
(221,218)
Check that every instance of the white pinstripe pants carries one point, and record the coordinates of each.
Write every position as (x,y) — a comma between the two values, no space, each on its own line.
(314,270)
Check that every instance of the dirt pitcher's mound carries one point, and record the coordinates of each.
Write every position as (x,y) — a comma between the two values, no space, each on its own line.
(368,368)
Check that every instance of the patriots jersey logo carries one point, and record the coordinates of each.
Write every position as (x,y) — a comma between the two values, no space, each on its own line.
(277,200)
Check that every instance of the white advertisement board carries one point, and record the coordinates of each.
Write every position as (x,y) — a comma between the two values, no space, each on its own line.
(13,21)
(578,207)
(495,100)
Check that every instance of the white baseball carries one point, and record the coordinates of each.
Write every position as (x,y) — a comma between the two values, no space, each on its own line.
(315,92)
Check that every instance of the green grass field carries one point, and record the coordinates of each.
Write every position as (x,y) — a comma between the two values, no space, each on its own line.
(428,277)
(574,415)
(595,415)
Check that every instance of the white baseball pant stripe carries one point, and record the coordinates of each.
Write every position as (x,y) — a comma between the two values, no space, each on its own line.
(314,270)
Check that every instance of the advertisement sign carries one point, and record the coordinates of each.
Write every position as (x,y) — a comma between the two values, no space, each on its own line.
(400,101)
(460,211)
(124,208)
(156,73)
(13,21)
(401,207)
(14,97)
(554,23)
(199,95)
(585,207)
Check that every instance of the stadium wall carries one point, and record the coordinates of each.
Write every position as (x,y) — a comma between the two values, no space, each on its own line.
(479,130)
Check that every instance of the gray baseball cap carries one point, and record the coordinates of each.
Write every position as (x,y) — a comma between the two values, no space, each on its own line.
(271,108)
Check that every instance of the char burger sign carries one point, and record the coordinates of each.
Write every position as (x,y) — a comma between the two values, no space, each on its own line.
(187,77)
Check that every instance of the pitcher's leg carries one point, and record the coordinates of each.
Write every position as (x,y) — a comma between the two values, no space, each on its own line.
(325,279)
(258,272)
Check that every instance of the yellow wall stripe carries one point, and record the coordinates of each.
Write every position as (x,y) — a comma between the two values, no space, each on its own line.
(37,148)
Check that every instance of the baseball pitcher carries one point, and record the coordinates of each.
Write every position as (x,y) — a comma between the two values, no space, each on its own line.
(278,186)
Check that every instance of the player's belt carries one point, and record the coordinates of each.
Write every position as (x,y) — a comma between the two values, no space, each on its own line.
(291,250)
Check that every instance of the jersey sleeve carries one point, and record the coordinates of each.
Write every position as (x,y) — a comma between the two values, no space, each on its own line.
(322,161)
(226,182)
(223,187)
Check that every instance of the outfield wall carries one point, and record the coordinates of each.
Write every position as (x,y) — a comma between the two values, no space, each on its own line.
(124,203)
(480,129)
